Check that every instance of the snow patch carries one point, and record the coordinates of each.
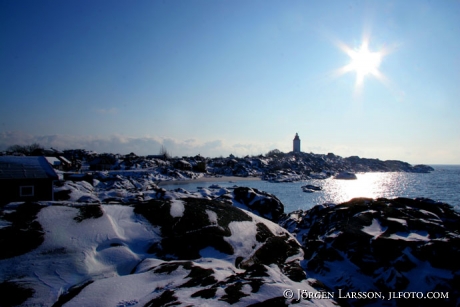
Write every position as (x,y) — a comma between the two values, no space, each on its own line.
(211,252)
(412,236)
(212,216)
(375,229)
(177,208)
(401,221)
(431,214)
(334,234)
(4,224)
(243,238)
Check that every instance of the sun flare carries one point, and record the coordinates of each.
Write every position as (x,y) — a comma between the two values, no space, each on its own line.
(363,62)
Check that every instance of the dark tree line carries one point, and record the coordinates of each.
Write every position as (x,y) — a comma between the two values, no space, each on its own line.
(28,150)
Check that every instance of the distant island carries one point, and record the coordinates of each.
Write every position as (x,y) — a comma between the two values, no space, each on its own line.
(274,166)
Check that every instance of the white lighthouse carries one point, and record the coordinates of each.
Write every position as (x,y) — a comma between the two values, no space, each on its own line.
(296,143)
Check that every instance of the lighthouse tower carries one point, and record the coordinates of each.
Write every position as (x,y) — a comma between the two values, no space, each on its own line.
(296,143)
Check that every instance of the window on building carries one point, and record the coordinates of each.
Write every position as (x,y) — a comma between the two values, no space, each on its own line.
(26,190)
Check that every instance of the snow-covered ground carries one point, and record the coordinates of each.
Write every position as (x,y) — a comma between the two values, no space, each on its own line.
(126,242)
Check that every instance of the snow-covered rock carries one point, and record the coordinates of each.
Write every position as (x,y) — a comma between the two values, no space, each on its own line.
(79,191)
(275,166)
(216,246)
(137,189)
(189,252)
(262,203)
(382,245)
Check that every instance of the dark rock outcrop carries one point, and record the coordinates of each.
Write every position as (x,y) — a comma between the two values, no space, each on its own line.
(13,294)
(382,245)
(183,237)
(23,233)
(206,224)
(262,203)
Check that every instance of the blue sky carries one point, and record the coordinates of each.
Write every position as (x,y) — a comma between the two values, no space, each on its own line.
(241,77)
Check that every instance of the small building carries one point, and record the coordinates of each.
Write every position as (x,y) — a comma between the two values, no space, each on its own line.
(296,143)
(26,179)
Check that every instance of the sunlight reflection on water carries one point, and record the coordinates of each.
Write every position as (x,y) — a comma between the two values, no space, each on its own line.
(371,185)
(441,185)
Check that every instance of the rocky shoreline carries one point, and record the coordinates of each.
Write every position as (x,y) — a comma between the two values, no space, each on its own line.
(274,166)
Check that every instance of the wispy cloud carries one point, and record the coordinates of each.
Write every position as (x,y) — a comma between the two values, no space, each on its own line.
(143,145)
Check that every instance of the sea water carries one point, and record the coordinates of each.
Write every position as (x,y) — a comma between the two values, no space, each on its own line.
(443,184)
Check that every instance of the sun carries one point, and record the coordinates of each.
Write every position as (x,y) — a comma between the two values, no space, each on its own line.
(363,62)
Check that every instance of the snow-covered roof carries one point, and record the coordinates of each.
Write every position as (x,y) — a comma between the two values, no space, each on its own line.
(62,159)
(53,160)
(14,167)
